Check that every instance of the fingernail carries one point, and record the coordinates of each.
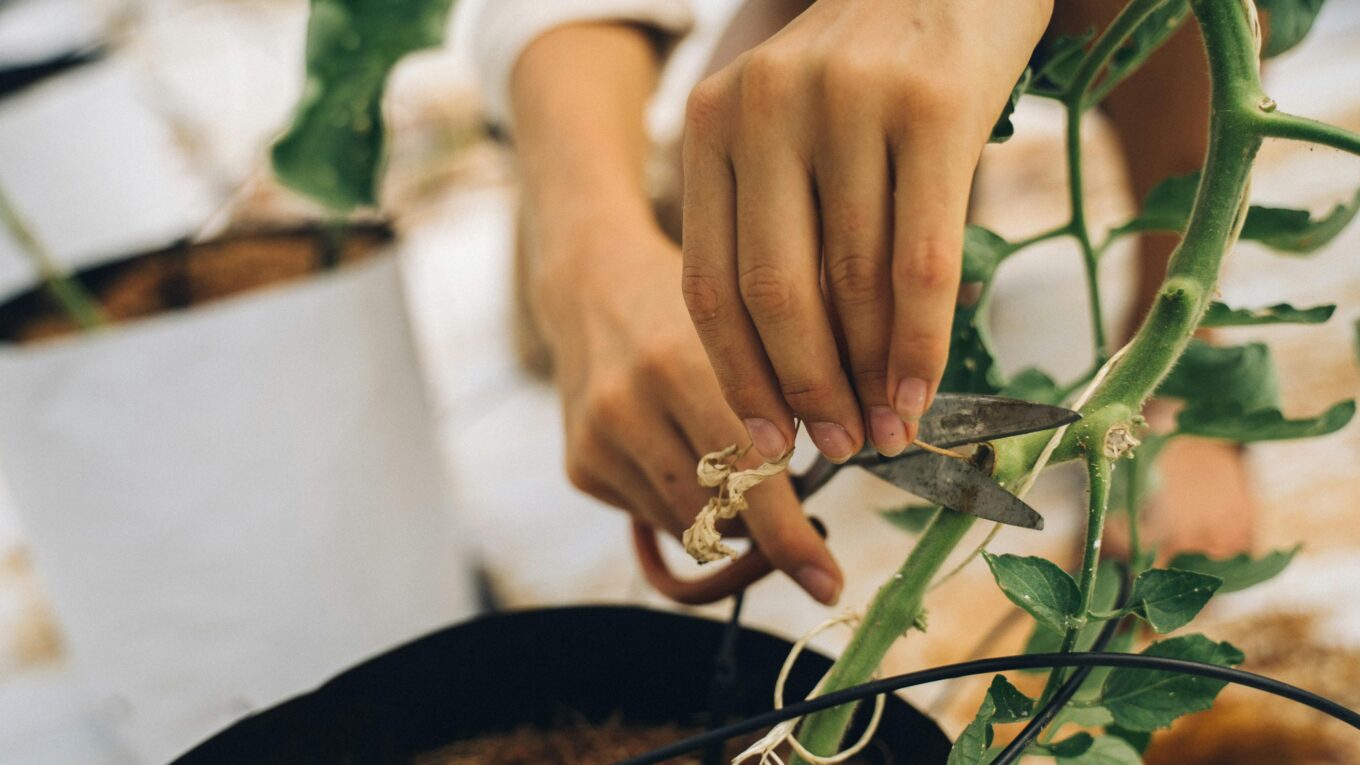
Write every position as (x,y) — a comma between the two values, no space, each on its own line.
(887,431)
(910,401)
(766,438)
(832,440)
(819,584)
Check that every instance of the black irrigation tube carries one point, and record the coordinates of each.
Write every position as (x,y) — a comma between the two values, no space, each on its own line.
(1002,664)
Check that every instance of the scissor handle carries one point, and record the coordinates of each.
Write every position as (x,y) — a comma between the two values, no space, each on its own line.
(749,568)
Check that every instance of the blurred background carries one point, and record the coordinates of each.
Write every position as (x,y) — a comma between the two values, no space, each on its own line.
(135,127)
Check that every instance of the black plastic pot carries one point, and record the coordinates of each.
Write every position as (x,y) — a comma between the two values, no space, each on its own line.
(496,672)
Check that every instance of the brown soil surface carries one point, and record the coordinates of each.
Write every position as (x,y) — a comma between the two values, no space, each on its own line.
(186,275)
(580,743)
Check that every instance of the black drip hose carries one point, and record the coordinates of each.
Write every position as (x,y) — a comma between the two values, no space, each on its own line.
(723,685)
(1001,664)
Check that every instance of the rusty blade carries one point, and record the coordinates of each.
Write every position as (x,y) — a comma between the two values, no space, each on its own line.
(955,419)
(958,485)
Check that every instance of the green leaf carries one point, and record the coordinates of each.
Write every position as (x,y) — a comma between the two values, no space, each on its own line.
(1167,208)
(1046,640)
(1003,130)
(1072,746)
(971,367)
(1232,393)
(1295,231)
(1107,750)
(1088,717)
(1220,315)
(1032,384)
(1169,598)
(983,251)
(1148,699)
(1288,22)
(970,748)
(1264,425)
(912,519)
(1055,62)
(1238,572)
(1146,38)
(1137,739)
(334,148)
(1047,592)
(1010,704)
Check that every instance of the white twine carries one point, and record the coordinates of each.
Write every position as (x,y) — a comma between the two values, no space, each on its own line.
(783,732)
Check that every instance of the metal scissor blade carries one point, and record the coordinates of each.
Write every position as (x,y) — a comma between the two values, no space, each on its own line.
(955,419)
(957,485)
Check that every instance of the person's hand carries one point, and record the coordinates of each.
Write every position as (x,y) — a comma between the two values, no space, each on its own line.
(842,148)
(640,401)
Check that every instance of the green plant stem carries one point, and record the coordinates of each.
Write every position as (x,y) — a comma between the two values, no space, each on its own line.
(1235,136)
(1043,236)
(69,294)
(1132,496)
(1098,476)
(1281,125)
(1079,228)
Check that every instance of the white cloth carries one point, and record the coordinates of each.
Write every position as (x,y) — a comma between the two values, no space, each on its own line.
(500,31)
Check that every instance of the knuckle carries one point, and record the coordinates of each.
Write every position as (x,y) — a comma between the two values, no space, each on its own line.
(703,295)
(704,108)
(929,263)
(847,77)
(767,290)
(921,346)
(607,401)
(856,278)
(769,79)
(871,379)
(808,397)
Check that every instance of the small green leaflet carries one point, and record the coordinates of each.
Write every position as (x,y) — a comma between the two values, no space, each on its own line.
(912,519)
(1238,572)
(1288,22)
(971,367)
(1039,587)
(1002,704)
(1167,208)
(1148,699)
(1169,598)
(1220,315)
(1046,640)
(1146,38)
(1137,739)
(1010,704)
(970,748)
(1107,750)
(334,149)
(1004,128)
(1088,717)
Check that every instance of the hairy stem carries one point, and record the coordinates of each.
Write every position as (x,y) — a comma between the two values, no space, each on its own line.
(1281,125)
(69,294)
(1089,256)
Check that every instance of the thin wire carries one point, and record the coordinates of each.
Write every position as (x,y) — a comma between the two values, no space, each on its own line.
(1003,664)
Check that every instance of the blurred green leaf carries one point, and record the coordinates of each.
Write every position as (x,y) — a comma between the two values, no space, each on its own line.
(333,151)
(1170,598)
(1288,22)
(1032,384)
(1038,586)
(1107,750)
(1148,699)
(1295,231)
(971,367)
(912,519)
(1166,208)
(1220,315)
(1055,62)
(1146,38)
(1137,739)
(983,251)
(1072,746)
(1004,129)
(1240,571)
(1232,393)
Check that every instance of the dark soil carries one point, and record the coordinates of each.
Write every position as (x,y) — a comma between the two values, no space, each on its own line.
(186,275)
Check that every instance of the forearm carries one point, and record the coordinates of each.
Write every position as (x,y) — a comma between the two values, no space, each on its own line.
(578,96)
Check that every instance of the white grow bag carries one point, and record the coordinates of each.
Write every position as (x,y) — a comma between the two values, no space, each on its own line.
(230,505)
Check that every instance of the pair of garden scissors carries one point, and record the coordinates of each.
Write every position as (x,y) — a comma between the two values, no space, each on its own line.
(960,485)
